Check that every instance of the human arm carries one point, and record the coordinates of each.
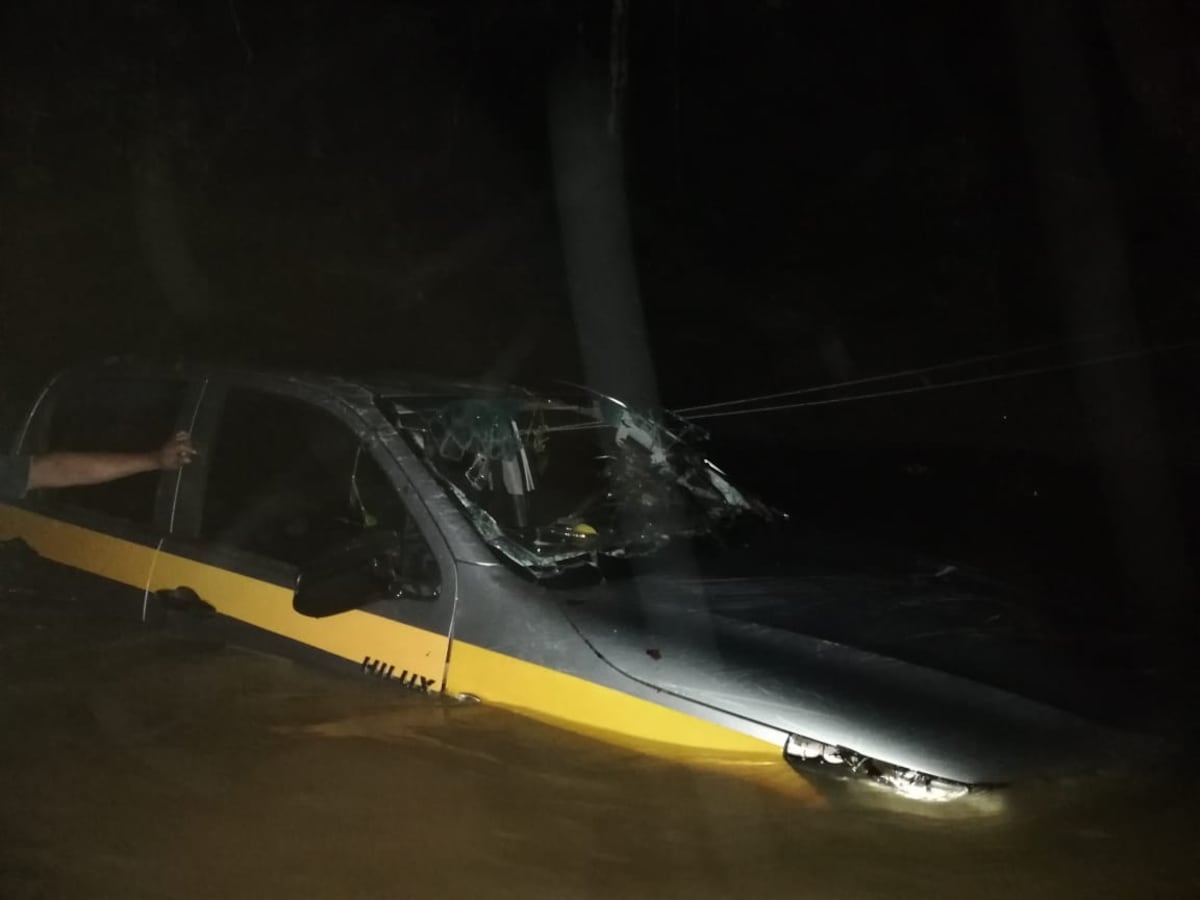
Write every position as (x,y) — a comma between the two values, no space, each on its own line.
(69,469)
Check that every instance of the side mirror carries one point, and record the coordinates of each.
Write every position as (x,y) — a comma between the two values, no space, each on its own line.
(369,567)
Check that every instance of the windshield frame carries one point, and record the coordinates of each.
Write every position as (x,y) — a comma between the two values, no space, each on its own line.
(442,428)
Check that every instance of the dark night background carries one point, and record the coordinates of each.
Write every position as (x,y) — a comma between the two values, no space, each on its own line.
(816,193)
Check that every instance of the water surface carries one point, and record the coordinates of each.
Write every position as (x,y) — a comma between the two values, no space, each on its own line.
(137,765)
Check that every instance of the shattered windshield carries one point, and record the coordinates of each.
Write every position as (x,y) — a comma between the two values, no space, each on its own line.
(554,484)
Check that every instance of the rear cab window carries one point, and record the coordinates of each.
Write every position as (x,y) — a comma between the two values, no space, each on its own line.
(114,414)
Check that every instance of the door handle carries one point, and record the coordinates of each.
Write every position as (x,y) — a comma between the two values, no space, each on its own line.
(184,599)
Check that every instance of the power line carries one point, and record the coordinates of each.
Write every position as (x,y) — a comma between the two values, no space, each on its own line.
(916,389)
(974,360)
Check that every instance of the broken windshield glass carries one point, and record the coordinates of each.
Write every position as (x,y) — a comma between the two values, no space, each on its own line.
(558,483)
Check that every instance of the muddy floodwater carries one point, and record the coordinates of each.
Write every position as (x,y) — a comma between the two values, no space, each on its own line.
(137,765)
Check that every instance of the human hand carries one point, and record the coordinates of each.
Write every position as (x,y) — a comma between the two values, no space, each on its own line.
(177,452)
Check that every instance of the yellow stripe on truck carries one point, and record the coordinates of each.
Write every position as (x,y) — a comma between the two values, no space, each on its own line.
(579,705)
(351,635)
(614,717)
(357,636)
(554,697)
(109,557)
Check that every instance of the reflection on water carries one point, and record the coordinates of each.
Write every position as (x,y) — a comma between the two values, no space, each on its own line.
(135,765)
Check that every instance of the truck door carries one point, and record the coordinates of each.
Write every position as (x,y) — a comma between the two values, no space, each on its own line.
(286,483)
(107,534)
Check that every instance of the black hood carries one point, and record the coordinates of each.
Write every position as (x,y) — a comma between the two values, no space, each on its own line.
(881,646)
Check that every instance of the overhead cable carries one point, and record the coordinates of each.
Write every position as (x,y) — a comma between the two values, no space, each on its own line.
(982,379)
(956,364)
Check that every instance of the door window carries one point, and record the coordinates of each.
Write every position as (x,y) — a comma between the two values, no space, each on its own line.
(290,481)
(115,415)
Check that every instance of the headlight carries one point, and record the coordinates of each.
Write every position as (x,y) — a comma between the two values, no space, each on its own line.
(841,761)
